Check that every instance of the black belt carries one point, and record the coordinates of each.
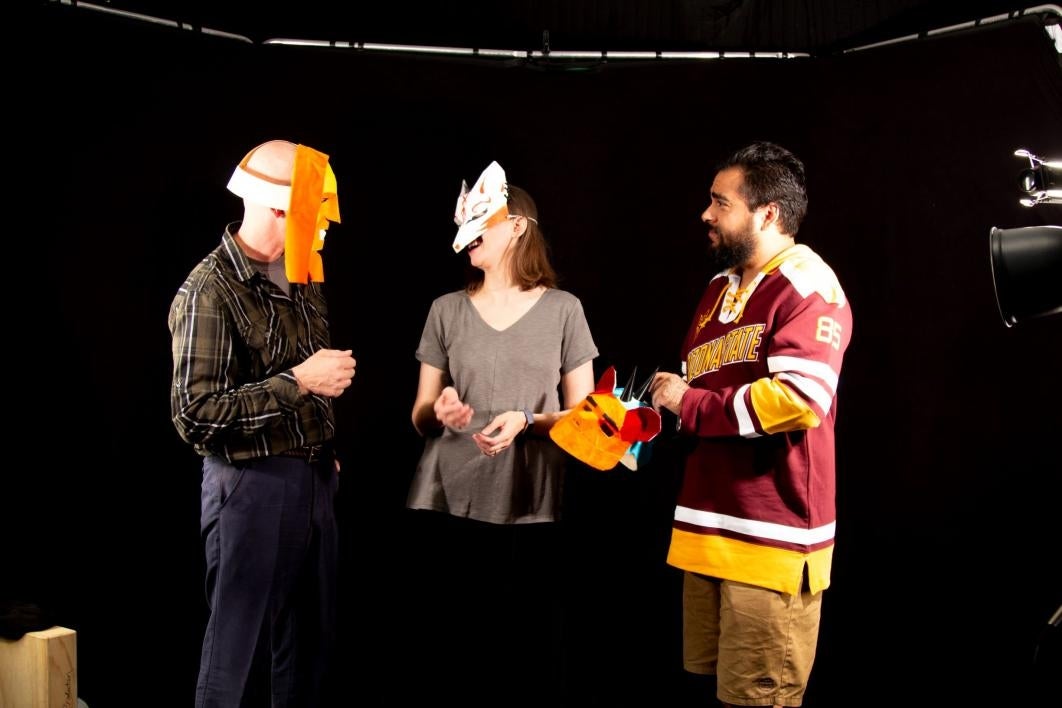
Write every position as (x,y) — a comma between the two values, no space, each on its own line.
(310,453)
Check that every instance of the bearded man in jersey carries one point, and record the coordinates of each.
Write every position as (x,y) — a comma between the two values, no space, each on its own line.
(754,523)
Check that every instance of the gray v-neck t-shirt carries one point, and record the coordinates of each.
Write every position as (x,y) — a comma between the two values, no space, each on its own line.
(496,371)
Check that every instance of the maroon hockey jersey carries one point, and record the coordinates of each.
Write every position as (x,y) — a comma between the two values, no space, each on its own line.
(757,501)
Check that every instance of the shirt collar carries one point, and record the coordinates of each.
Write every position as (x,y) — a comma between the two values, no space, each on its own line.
(237,258)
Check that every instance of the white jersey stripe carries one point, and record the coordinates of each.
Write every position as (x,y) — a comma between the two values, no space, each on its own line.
(744,417)
(759,529)
(810,388)
(778,364)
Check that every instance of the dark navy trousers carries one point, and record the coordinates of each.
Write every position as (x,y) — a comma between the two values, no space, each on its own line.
(270,540)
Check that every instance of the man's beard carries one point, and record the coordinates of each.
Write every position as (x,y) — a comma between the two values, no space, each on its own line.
(734,248)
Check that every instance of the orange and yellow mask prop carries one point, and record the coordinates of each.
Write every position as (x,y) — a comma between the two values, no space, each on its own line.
(310,200)
(602,429)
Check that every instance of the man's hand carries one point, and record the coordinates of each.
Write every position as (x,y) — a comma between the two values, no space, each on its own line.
(668,390)
(328,372)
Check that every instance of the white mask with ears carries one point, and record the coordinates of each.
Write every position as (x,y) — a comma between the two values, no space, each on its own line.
(482,206)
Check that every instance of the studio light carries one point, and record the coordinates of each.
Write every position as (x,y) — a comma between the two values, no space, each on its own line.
(1027,261)
(1041,183)
(1027,270)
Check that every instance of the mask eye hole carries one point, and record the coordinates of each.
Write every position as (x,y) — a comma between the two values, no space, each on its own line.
(608,426)
(478,209)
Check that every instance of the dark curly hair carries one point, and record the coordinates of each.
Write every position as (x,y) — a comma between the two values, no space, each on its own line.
(772,174)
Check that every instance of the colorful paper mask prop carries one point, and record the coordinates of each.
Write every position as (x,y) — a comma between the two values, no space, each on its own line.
(310,199)
(481,207)
(640,451)
(607,426)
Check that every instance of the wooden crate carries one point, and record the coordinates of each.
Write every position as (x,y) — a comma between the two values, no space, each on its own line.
(39,670)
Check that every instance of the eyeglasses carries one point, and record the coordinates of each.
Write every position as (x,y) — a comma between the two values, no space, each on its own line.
(517,216)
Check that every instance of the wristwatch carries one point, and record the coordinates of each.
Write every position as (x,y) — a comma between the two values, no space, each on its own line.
(530,417)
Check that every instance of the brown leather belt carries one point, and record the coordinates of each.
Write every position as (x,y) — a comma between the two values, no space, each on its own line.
(310,453)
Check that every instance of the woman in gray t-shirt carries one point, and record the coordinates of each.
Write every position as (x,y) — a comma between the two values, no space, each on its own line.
(500,362)
(492,360)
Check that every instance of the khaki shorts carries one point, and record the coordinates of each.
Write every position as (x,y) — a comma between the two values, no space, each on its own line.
(759,643)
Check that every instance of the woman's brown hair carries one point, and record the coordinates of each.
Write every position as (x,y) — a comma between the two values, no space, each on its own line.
(530,265)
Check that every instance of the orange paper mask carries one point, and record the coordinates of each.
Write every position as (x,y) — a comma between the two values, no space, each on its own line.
(601,429)
(314,203)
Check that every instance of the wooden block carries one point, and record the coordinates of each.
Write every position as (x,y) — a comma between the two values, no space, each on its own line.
(39,670)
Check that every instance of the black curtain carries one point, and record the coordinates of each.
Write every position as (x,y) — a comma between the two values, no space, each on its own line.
(125,134)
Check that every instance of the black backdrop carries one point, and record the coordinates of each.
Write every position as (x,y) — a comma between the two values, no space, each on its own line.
(946,568)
